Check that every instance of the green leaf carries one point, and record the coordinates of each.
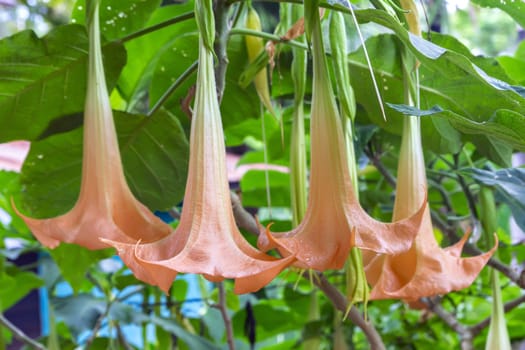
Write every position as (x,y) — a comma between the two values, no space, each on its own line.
(510,186)
(237,103)
(43,79)
(448,79)
(505,125)
(11,189)
(502,133)
(75,261)
(253,186)
(118,18)
(514,8)
(193,341)
(154,153)
(515,66)
(144,52)
(79,312)
(16,284)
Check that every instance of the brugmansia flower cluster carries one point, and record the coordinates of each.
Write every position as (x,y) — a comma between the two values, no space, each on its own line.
(105,207)
(207,240)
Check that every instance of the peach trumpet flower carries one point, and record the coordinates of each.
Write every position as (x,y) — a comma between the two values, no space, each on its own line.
(426,269)
(105,206)
(334,221)
(207,240)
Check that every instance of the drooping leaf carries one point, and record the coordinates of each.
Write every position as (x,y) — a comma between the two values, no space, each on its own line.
(447,78)
(505,125)
(45,78)
(154,152)
(510,188)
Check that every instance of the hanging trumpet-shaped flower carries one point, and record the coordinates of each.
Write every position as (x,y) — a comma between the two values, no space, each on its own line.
(334,221)
(425,269)
(357,289)
(498,337)
(207,240)
(105,207)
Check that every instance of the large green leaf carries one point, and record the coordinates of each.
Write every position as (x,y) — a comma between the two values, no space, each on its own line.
(456,74)
(144,51)
(42,79)
(154,152)
(447,78)
(118,18)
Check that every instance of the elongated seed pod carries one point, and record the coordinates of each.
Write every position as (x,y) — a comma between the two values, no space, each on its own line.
(254,46)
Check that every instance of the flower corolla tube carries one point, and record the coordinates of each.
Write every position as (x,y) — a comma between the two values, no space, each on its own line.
(105,206)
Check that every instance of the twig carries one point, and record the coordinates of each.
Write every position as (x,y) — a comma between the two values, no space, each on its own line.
(339,301)
(19,334)
(242,217)
(507,307)
(97,326)
(376,161)
(122,338)
(221,306)
(222,30)
(464,333)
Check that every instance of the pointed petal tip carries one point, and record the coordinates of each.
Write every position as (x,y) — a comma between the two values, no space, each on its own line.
(266,241)
(255,282)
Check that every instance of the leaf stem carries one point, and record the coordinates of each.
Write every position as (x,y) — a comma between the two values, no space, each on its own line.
(221,306)
(339,302)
